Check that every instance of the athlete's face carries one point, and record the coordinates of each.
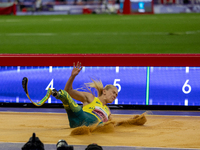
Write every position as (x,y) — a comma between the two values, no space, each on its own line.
(111,94)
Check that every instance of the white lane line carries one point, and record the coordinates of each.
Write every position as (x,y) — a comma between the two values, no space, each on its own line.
(187,70)
(49,100)
(29,34)
(117,69)
(151,69)
(83,69)
(18,68)
(116,101)
(186,102)
(50,69)
(100,33)
(17,99)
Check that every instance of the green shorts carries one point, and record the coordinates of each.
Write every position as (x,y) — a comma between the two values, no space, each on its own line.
(77,117)
(81,118)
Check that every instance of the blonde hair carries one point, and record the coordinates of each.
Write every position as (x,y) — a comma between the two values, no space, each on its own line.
(97,85)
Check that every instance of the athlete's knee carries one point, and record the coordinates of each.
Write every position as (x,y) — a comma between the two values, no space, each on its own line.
(62,95)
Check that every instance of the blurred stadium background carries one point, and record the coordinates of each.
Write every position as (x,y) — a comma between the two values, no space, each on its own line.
(30,7)
(165,26)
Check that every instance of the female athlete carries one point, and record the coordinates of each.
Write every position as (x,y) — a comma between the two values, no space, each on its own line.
(94,109)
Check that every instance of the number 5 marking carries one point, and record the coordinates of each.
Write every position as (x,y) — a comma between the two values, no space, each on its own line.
(188,86)
(117,84)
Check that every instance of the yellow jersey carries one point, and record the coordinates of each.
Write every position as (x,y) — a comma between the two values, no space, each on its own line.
(97,109)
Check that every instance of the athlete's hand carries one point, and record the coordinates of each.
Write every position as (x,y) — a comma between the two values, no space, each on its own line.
(77,68)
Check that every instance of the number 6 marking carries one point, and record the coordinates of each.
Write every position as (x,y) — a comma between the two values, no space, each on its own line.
(117,84)
(188,86)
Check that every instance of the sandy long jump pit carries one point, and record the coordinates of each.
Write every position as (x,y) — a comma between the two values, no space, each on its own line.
(158,131)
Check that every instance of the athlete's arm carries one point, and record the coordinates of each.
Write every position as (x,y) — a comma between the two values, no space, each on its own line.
(84,97)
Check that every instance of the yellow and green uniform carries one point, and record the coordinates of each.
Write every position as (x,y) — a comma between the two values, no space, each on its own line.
(97,109)
(90,114)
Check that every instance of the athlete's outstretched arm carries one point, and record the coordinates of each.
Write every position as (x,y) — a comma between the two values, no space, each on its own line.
(80,96)
(75,72)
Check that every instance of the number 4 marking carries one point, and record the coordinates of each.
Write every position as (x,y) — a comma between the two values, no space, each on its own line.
(50,85)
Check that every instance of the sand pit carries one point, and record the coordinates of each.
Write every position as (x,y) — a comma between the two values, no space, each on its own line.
(158,131)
